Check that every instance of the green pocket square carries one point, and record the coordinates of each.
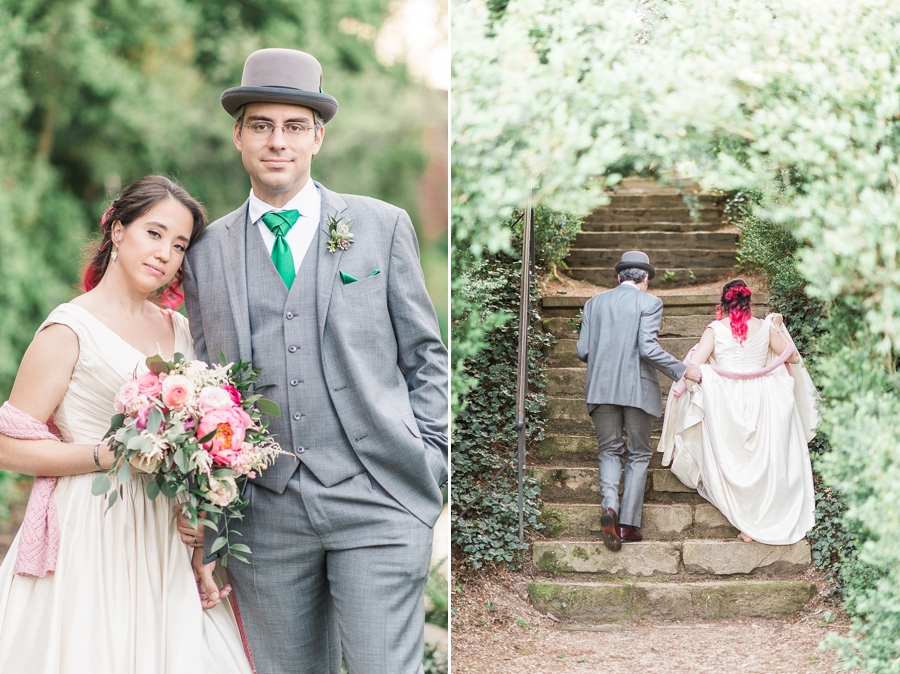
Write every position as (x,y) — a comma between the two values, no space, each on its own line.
(346,278)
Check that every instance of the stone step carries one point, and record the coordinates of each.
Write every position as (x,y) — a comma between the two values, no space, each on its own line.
(562,353)
(665,278)
(581,484)
(641,185)
(653,241)
(690,557)
(604,602)
(660,521)
(703,201)
(662,260)
(671,326)
(612,214)
(569,306)
(578,450)
(598,226)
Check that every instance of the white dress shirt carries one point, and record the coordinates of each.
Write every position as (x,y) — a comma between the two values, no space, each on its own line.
(309,202)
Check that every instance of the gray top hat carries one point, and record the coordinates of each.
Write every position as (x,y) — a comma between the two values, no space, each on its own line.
(281,76)
(635,259)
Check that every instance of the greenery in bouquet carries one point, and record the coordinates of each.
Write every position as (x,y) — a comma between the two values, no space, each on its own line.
(198,430)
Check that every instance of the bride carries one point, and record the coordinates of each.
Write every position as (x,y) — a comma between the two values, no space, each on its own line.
(113,592)
(740,437)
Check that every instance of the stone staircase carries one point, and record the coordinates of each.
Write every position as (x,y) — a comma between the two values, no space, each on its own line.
(690,564)
(681,231)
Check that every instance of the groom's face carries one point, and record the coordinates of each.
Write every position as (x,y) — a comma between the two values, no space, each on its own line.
(278,163)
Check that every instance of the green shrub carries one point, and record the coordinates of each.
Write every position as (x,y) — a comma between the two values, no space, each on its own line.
(484,436)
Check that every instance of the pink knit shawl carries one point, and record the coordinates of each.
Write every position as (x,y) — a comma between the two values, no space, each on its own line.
(680,386)
(39,535)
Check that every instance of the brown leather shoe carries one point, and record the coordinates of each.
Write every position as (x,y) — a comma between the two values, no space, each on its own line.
(629,535)
(609,525)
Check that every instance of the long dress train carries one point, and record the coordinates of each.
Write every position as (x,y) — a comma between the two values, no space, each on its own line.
(122,599)
(742,443)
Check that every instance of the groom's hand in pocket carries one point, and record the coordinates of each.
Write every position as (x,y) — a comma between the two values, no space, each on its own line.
(210,593)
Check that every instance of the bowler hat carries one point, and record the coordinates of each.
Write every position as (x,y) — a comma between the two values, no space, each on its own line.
(281,76)
(635,259)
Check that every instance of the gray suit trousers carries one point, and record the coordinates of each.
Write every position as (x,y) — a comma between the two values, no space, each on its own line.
(347,555)
(609,422)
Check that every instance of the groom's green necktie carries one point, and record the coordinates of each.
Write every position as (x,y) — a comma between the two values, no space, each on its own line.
(279,223)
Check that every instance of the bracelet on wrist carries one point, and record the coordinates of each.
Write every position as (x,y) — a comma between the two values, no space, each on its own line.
(97,456)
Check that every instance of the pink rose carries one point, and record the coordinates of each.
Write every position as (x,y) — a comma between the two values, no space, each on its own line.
(176,391)
(148,385)
(125,396)
(214,398)
(234,393)
(229,425)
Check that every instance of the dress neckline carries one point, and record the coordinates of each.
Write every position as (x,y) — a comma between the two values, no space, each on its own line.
(122,339)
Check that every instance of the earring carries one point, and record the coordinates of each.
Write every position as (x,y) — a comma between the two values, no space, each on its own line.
(114,254)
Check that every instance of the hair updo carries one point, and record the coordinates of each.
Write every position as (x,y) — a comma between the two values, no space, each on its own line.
(133,202)
(735,303)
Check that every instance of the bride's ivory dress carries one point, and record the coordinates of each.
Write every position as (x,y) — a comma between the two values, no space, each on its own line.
(123,598)
(742,443)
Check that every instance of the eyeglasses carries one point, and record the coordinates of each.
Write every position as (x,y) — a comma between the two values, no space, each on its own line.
(266,129)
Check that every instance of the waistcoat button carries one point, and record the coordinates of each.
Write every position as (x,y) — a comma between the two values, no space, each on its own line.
(294,382)
(297,416)
(292,348)
(300,450)
(290,315)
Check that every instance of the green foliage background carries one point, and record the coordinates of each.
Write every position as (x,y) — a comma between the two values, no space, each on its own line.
(97,93)
(796,102)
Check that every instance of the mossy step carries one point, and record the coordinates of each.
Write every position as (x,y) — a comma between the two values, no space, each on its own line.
(671,326)
(689,557)
(662,259)
(606,602)
(680,213)
(574,484)
(660,521)
(562,353)
(590,225)
(579,450)
(703,201)
(652,242)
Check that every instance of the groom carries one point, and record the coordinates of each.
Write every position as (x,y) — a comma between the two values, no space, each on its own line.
(325,293)
(619,339)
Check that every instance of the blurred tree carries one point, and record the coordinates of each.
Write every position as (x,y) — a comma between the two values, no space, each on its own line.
(97,93)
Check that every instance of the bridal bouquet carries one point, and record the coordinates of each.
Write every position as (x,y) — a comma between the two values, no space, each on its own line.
(196,429)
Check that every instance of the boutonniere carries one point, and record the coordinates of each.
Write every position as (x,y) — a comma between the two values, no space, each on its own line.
(339,236)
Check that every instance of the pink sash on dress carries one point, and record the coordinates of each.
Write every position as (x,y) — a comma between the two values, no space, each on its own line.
(39,539)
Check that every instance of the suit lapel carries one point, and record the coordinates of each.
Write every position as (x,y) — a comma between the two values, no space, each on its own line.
(234,255)
(332,205)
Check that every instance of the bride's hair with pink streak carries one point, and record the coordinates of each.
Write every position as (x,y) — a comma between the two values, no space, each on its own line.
(133,202)
(735,303)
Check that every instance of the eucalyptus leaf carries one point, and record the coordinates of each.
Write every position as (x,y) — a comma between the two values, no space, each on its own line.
(154,420)
(268,407)
(101,484)
(152,490)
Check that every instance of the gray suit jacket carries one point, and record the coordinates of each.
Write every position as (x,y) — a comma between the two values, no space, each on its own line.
(620,341)
(382,354)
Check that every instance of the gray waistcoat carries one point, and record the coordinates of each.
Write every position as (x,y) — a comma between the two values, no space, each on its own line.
(285,345)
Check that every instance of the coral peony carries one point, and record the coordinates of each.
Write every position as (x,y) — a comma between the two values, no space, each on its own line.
(229,425)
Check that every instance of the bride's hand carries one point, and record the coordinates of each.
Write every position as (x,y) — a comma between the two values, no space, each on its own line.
(105,454)
(189,535)
(777,320)
(210,593)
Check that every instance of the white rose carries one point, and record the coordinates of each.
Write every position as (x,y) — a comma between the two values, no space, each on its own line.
(222,490)
(214,398)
